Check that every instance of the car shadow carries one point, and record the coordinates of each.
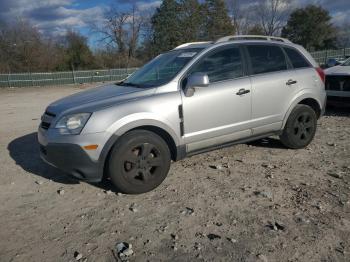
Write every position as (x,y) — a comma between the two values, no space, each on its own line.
(25,151)
(271,142)
(268,142)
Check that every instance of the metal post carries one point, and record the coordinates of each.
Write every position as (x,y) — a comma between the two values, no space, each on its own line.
(73,74)
(8,79)
(31,78)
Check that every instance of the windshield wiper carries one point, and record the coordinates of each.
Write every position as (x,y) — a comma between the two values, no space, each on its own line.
(128,84)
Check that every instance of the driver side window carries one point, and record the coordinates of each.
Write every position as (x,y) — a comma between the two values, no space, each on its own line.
(221,65)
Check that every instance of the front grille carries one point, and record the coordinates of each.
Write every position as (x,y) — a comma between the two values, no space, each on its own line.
(46,120)
(338,83)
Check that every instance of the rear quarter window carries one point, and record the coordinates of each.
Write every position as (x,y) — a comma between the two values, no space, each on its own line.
(297,59)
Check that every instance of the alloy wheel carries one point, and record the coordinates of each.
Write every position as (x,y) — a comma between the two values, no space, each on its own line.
(303,126)
(142,162)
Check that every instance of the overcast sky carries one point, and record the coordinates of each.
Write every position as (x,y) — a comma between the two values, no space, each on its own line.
(56,16)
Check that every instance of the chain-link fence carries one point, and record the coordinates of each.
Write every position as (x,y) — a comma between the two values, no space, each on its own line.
(90,76)
(322,56)
(63,78)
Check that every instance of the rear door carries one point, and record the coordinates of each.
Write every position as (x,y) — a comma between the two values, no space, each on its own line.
(273,86)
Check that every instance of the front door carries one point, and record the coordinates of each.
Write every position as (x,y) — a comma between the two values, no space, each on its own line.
(221,112)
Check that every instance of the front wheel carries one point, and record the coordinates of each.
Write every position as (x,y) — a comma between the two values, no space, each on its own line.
(300,128)
(139,162)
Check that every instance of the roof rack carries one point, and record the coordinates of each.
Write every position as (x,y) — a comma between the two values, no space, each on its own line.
(252,37)
(192,43)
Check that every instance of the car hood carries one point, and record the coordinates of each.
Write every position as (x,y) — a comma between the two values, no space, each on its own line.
(97,98)
(338,70)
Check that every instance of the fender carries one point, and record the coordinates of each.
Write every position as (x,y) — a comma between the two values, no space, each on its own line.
(136,120)
(128,123)
(303,94)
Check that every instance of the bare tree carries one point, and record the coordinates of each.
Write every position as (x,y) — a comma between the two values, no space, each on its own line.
(122,29)
(113,30)
(136,23)
(272,15)
(240,16)
(22,48)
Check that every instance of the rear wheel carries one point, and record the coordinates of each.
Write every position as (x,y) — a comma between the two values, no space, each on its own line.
(300,128)
(139,162)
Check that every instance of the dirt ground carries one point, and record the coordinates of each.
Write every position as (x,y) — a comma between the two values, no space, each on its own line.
(250,202)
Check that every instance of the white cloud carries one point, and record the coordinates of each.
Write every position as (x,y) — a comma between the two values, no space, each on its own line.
(338,9)
(51,16)
(145,6)
(341,17)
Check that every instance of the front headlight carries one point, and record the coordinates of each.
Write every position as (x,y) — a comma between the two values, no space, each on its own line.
(73,124)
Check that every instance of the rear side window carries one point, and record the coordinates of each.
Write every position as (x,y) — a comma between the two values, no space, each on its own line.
(297,60)
(266,58)
(221,65)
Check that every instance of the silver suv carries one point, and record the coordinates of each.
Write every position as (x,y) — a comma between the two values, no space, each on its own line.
(195,98)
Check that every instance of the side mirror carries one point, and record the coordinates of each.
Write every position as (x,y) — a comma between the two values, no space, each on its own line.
(196,80)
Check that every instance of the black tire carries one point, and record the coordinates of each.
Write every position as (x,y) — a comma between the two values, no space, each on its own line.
(139,162)
(300,128)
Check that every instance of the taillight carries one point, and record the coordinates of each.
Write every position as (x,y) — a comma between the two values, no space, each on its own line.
(321,73)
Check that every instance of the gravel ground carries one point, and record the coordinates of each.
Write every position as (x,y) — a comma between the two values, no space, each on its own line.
(250,202)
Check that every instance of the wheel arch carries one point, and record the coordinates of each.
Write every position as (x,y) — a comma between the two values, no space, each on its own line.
(177,151)
(313,104)
(164,135)
(305,99)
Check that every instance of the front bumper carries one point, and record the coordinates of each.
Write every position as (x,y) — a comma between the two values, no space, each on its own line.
(66,153)
(343,101)
(71,159)
(338,90)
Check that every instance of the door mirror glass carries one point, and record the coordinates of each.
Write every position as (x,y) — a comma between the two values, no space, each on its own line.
(196,80)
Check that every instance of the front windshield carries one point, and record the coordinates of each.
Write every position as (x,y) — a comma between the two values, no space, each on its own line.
(161,69)
(346,63)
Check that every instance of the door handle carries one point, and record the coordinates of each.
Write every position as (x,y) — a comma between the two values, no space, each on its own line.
(291,82)
(242,92)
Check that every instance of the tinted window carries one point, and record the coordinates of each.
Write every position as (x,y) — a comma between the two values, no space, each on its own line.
(221,65)
(296,58)
(266,58)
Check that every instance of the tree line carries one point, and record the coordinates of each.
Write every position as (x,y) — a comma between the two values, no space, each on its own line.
(130,37)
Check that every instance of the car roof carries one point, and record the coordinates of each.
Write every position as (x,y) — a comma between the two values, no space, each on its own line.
(237,39)
(246,39)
